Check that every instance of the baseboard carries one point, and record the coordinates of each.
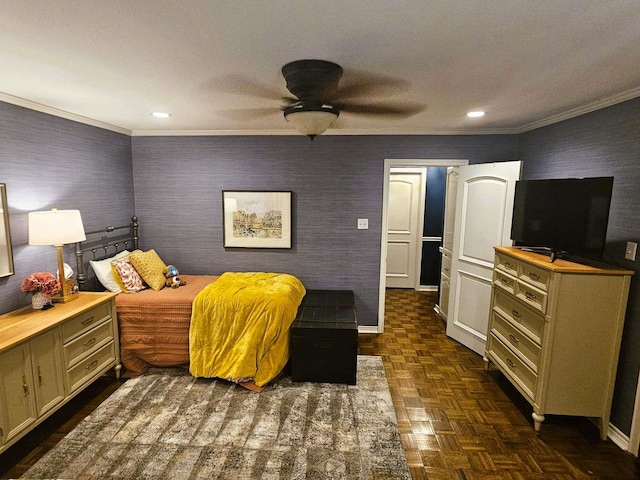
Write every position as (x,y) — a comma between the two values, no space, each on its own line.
(619,438)
(427,288)
(368,329)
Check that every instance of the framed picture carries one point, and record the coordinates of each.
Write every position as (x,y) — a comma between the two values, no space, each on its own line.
(6,255)
(256,219)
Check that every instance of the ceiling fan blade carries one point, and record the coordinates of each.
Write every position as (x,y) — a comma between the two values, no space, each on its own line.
(239,85)
(358,84)
(401,110)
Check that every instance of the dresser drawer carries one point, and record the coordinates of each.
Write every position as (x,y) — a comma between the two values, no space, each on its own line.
(87,342)
(91,366)
(531,296)
(513,367)
(507,264)
(528,351)
(504,281)
(85,321)
(535,276)
(523,318)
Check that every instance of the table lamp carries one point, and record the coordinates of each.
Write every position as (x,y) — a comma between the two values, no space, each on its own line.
(57,227)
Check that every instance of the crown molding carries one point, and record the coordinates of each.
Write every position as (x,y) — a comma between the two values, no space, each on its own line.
(21,102)
(607,102)
(576,112)
(293,133)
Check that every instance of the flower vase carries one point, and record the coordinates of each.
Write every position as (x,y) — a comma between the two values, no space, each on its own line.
(39,300)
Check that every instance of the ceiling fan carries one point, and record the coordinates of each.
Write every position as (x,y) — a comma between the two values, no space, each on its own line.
(318,98)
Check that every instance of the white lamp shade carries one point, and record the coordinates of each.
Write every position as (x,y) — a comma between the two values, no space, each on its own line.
(55,227)
(311,122)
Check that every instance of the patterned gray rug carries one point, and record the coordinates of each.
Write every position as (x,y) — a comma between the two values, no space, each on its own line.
(169,425)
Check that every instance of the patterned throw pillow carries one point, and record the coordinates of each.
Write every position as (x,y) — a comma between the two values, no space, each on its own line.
(129,277)
(104,272)
(150,266)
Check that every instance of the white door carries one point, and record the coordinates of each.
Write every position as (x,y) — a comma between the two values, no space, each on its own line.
(406,200)
(484,206)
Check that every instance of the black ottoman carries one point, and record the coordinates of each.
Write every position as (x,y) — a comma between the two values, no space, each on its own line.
(324,338)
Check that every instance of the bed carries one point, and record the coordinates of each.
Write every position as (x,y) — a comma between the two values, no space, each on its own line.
(233,326)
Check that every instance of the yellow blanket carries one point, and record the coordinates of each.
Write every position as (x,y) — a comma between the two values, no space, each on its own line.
(240,326)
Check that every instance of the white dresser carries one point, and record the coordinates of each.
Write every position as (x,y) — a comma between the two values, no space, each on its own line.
(555,332)
(48,356)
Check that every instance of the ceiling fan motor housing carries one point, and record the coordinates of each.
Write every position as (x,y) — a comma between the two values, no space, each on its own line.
(312,80)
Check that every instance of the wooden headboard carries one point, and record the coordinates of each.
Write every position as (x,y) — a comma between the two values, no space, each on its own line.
(111,241)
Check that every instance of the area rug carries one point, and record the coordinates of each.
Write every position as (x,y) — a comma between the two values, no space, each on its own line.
(168,425)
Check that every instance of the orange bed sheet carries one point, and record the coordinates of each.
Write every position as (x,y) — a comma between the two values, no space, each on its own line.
(154,326)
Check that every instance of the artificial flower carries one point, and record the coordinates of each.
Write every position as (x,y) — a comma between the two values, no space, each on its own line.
(43,282)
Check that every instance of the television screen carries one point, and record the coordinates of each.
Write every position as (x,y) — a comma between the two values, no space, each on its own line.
(566,216)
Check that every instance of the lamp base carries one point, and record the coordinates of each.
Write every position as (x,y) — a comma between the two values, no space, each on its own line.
(68,292)
(63,299)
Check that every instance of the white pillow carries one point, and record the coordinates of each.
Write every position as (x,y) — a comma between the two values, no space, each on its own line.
(104,272)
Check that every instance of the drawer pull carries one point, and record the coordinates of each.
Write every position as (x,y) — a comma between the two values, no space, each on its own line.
(446,269)
(87,321)
(504,281)
(529,295)
(508,265)
(25,387)
(534,276)
(92,365)
(511,364)
(513,338)
(39,376)
(516,313)
(90,343)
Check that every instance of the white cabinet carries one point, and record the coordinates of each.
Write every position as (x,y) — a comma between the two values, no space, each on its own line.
(46,363)
(17,400)
(442,307)
(555,331)
(31,383)
(47,357)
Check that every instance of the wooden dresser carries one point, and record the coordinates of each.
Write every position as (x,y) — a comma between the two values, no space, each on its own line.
(555,332)
(48,356)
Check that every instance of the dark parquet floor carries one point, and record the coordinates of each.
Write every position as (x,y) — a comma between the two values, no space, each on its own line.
(456,421)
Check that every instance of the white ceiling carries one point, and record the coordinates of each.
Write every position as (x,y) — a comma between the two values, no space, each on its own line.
(113,62)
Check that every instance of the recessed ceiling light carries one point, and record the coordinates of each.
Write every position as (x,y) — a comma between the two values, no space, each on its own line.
(161,114)
(476,114)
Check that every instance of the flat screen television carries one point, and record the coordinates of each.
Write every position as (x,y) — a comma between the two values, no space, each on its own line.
(562,217)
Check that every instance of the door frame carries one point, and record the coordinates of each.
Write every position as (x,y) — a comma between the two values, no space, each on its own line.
(390,163)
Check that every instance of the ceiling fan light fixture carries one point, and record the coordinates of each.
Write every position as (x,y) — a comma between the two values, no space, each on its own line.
(311,121)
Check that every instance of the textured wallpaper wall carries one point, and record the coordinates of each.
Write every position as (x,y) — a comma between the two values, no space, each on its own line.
(47,162)
(602,143)
(335,180)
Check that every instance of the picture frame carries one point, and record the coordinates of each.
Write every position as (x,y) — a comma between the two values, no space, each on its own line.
(256,218)
(6,253)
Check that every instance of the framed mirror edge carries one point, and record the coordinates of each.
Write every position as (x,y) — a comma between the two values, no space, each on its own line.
(6,262)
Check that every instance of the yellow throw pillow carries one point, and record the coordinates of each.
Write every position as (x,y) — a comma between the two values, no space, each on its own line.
(150,266)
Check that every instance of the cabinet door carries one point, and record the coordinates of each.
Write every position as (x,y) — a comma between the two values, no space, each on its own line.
(16,391)
(48,371)
(443,301)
